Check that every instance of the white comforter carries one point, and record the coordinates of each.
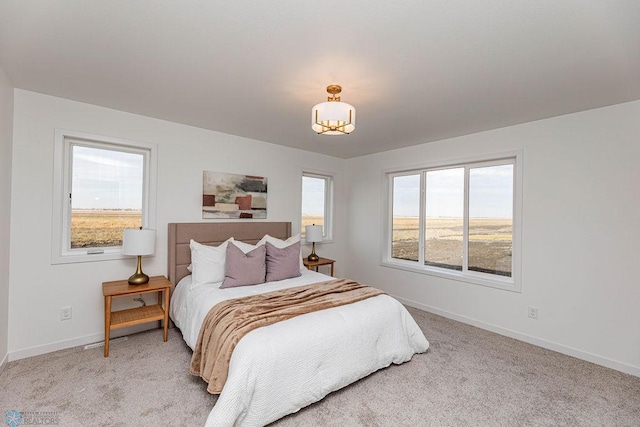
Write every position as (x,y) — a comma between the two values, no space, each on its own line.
(278,369)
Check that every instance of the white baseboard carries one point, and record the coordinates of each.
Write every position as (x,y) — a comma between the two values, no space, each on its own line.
(560,348)
(3,362)
(74,342)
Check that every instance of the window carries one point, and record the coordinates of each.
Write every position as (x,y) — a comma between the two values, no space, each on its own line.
(317,202)
(459,221)
(101,186)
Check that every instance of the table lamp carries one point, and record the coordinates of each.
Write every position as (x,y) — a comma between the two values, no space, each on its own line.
(138,242)
(313,234)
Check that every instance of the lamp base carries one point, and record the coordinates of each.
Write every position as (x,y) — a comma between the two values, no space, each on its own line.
(313,257)
(138,279)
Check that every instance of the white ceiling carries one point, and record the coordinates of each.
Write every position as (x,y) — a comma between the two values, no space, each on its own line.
(416,71)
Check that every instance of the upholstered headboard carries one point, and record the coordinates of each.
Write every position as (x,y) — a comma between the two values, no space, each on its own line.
(214,233)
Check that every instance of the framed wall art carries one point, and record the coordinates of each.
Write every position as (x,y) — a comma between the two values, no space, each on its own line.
(233,196)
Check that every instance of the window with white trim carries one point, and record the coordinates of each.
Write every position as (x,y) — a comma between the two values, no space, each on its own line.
(101,186)
(317,202)
(459,220)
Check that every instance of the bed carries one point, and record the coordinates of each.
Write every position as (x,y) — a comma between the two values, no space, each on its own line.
(278,369)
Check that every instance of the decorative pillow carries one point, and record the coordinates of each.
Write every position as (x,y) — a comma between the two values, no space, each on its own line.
(278,243)
(244,269)
(207,263)
(283,263)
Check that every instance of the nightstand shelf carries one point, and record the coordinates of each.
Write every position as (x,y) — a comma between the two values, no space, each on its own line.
(138,315)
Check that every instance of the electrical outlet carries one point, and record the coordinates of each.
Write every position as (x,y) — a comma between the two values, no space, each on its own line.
(65,313)
(533,312)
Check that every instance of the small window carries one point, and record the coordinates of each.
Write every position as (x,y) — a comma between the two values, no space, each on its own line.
(317,202)
(458,221)
(102,186)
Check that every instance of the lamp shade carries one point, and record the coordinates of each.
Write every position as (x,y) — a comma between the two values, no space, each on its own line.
(313,233)
(139,241)
(333,118)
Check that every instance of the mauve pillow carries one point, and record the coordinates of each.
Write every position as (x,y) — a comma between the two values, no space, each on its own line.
(279,243)
(283,263)
(244,269)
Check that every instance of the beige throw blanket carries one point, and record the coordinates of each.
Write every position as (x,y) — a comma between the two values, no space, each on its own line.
(227,322)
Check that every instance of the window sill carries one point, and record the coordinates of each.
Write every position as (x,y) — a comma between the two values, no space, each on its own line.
(79,258)
(507,284)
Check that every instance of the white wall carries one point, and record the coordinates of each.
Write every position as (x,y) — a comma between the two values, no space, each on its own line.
(580,235)
(39,289)
(6,138)
(581,210)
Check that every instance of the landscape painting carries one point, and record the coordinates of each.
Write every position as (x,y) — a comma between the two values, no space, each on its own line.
(233,196)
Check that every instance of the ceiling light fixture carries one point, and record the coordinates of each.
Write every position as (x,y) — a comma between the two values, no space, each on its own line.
(333,117)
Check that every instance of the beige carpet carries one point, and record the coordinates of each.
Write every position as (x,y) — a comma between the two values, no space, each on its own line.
(469,377)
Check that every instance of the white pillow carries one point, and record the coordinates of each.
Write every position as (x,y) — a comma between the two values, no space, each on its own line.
(207,263)
(246,247)
(278,243)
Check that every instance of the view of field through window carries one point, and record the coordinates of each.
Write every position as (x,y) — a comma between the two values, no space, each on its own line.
(489,244)
(106,189)
(101,227)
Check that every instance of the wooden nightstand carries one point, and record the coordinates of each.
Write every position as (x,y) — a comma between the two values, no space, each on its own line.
(138,315)
(315,264)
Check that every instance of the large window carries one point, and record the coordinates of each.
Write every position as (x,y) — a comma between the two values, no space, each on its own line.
(317,202)
(460,220)
(102,186)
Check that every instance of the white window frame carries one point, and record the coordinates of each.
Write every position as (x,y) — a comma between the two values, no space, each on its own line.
(512,283)
(61,253)
(329,177)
